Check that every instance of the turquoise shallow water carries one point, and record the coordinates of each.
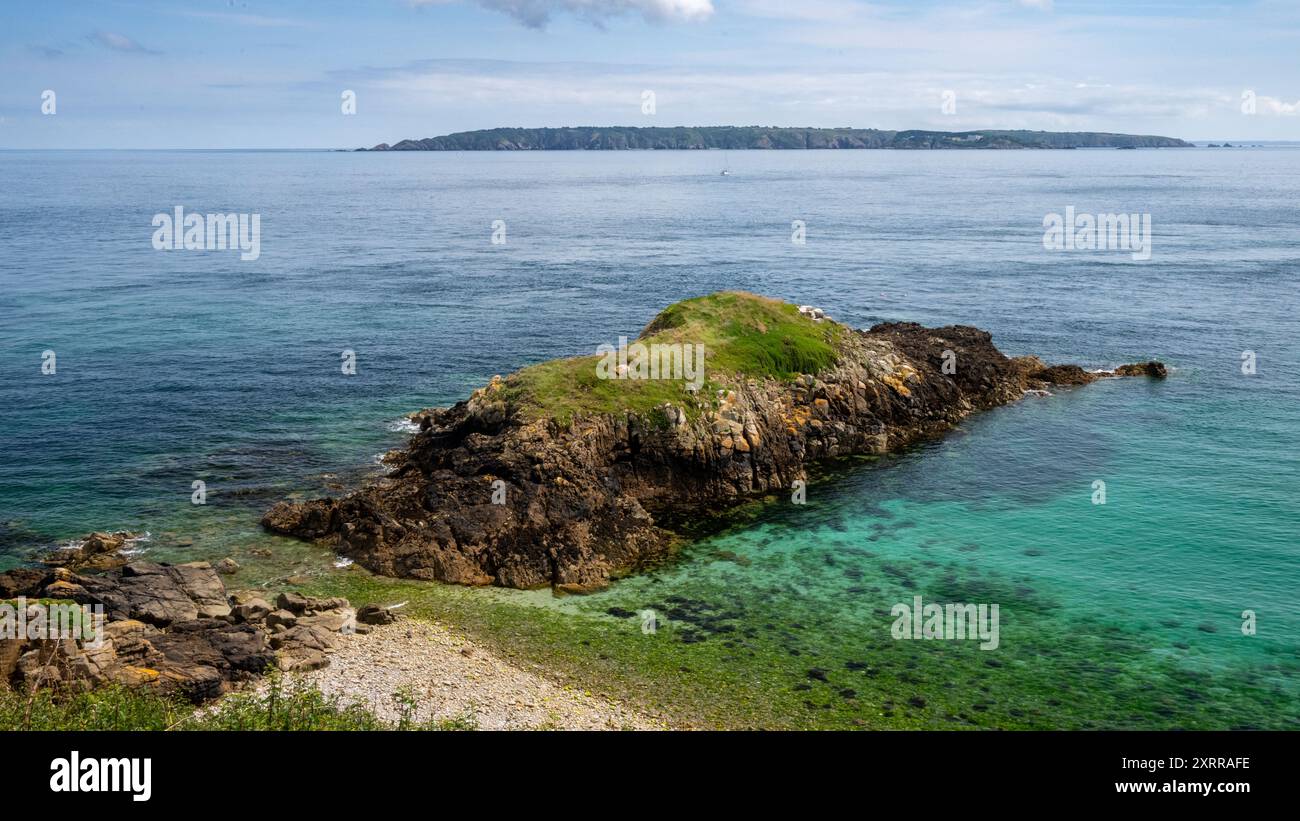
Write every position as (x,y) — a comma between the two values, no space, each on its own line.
(1122,615)
(185,365)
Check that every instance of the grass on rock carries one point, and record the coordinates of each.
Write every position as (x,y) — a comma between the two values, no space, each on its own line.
(744,336)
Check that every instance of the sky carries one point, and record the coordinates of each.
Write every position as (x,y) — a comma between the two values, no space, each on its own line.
(236,74)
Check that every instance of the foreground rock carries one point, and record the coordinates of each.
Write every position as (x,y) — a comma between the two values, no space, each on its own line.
(496,491)
(172,628)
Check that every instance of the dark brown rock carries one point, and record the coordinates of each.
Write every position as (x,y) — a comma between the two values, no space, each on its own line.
(304,636)
(253,610)
(300,605)
(22,581)
(97,551)
(1154,369)
(302,647)
(375,614)
(161,594)
(203,655)
(284,617)
(10,651)
(306,520)
(170,628)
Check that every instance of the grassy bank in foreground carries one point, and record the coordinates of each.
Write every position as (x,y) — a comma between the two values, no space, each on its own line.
(282,705)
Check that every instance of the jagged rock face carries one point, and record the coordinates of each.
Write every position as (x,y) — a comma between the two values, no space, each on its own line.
(581,501)
(167,627)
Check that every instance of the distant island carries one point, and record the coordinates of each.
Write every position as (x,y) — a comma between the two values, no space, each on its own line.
(621,138)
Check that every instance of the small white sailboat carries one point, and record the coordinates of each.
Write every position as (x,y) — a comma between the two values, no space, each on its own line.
(726,172)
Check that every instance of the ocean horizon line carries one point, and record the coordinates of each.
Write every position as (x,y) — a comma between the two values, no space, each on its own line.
(1198,143)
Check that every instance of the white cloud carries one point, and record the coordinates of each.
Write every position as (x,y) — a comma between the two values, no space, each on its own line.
(821,11)
(118,42)
(606,94)
(1272,105)
(253,20)
(537,13)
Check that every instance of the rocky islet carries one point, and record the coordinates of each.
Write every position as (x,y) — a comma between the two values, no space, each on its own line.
(491,491)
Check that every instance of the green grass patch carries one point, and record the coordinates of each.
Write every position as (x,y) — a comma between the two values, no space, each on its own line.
(41,602)
(284,705)
(744,336)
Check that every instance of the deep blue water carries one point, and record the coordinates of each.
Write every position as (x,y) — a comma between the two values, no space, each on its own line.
(184,365)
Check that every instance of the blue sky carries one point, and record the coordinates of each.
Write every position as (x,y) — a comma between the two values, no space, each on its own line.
(235,74)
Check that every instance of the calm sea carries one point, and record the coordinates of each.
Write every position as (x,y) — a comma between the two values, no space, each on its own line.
(181,366)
